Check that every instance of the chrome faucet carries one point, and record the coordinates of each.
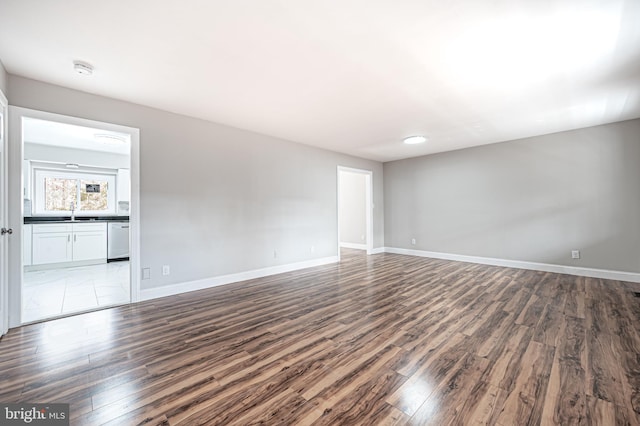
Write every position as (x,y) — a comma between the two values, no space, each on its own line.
(73,208)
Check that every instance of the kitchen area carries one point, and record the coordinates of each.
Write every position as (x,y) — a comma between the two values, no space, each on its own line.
(76,239)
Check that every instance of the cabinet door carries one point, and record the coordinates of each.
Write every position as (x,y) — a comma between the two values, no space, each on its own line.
(123,191)
(89,245)
(51,247)
(123,184)
(26,170)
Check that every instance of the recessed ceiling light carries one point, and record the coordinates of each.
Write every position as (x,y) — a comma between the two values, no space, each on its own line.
(413,140)
(109,138)
(82,68)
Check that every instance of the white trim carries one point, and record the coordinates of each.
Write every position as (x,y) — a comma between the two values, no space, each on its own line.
(134,215)
(16,114)
(4,202)
(16,205)
(377,250)
(368,204)
(545,267)
(170,290)
(354,246)
(368,192)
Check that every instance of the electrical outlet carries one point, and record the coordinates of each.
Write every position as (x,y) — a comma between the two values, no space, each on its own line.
(313,249)
(146,273)
(575,254)
(166,270)
(413,241)
(275,253)
(362,237)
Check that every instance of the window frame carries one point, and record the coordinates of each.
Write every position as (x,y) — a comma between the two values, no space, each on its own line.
(40,173)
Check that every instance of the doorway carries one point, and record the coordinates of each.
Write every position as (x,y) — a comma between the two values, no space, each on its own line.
(355,224)
(73,184)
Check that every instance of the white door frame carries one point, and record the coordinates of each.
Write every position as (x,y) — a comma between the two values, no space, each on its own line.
(4,223)
(16,205)
(368,204)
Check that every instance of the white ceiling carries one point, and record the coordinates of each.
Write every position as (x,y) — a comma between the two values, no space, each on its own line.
(64,135)
(353,76)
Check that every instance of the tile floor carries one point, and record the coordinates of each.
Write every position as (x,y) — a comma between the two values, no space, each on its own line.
(56,292)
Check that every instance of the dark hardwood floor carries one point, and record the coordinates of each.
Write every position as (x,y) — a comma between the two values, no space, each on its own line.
(379,340)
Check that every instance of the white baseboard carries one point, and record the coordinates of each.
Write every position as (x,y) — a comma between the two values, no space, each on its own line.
(77,263)
(354,246)
(170,290)
(545,267)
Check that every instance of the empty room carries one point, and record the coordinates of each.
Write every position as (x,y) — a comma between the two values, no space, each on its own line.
(320,213)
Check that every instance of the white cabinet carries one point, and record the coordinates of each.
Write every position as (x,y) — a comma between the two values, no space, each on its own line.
(26,170)
(66,242)
(89,241)
(52,243)
(26,245)
(26,189)
(123,191)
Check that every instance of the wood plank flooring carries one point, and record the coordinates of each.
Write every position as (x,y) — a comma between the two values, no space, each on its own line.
(379,340)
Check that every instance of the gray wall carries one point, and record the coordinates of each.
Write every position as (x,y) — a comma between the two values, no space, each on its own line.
(214,199)
(353,211)
(533,199)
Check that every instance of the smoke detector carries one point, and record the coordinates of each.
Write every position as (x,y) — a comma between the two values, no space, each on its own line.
(82,68)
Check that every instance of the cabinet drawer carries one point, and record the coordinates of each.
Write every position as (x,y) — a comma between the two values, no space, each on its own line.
(51,227)
(90,227)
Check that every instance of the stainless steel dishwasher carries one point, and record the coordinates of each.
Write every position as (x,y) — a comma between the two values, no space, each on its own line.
(117,241)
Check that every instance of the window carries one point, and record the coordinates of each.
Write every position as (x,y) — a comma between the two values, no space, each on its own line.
(93,195)
(60,191)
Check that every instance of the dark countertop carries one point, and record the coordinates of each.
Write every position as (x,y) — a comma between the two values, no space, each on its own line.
(79,219)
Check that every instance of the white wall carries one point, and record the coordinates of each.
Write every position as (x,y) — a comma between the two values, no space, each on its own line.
(40,152)
(353,213)
(217,200)
(532,200)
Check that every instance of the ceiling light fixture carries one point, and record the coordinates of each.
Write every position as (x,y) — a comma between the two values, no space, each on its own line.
(109,138)
(82,68)
(413,140)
